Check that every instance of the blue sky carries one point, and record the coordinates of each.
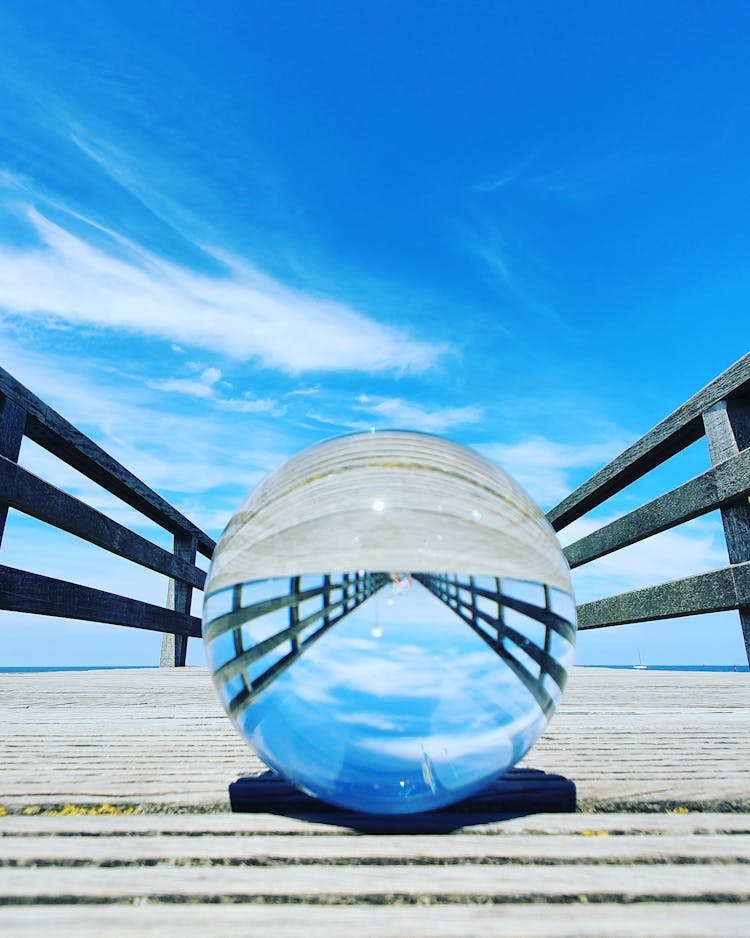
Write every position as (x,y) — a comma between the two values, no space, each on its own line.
(232,230)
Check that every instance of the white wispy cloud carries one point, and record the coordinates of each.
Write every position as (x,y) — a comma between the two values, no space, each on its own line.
(502,178)
(545,468)
(491,248)
(304,392)
(245,315)
(205,464)
(490,183)
(494,255)
(397,412)
(404,671)
(208,386)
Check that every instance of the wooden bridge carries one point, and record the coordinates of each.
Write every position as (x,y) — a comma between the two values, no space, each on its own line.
(113,810)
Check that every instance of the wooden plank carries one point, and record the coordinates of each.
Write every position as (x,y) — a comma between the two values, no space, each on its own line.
(537,920)
(22,591)
(725,882)
(717,487)
(716,591)
(38,498)
(649,740)
(395,849)
(593,828)
(47,428)
(681,428)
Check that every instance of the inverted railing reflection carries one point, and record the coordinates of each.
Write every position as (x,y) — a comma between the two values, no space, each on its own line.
(340,595)
(451,590)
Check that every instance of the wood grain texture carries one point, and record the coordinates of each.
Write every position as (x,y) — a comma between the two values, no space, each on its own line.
(368,882)
(642,739)
(161,736)
(715,591)
(641,920)
(23,591)
(728,433)
(394,850)
(197,823)
(715,488)
(12,424)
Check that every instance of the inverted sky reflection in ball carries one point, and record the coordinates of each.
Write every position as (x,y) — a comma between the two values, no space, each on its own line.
(389,621)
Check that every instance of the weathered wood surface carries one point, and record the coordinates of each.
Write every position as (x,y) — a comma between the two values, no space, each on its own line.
(681,428)
(23,591)
(195,823)
(24,414)
(728,434)
(51,431)
(162,737)
(649,920)
(715,591)
(647,741)
(608,875)
(369,881)
(260,849)
(715,488)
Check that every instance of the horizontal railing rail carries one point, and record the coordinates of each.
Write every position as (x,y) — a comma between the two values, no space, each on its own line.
(721,414)
(715,591)
(22,591)
(48,429)
(35,497)
(671,436)
(23,414)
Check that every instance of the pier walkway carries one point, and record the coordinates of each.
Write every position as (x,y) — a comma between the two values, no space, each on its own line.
(113,787)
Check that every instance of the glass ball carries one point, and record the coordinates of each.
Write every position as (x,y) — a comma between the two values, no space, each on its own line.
(389,621)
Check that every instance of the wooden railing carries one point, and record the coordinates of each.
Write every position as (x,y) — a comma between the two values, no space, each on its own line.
(721,413)
(25,415)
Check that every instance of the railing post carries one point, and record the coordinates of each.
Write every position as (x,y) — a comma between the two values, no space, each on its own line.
(727,427)
(179,596)
(294,588)
(12,426)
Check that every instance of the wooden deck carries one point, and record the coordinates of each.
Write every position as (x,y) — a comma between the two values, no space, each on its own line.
(113,787)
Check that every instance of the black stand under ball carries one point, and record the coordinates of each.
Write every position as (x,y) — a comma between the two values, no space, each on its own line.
(517,793)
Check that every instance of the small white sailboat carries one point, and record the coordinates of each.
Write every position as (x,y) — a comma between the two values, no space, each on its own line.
(640,666)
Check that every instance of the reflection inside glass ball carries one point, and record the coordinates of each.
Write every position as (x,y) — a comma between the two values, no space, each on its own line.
(385,690)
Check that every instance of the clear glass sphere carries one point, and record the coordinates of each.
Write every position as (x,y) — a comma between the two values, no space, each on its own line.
(389,621)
